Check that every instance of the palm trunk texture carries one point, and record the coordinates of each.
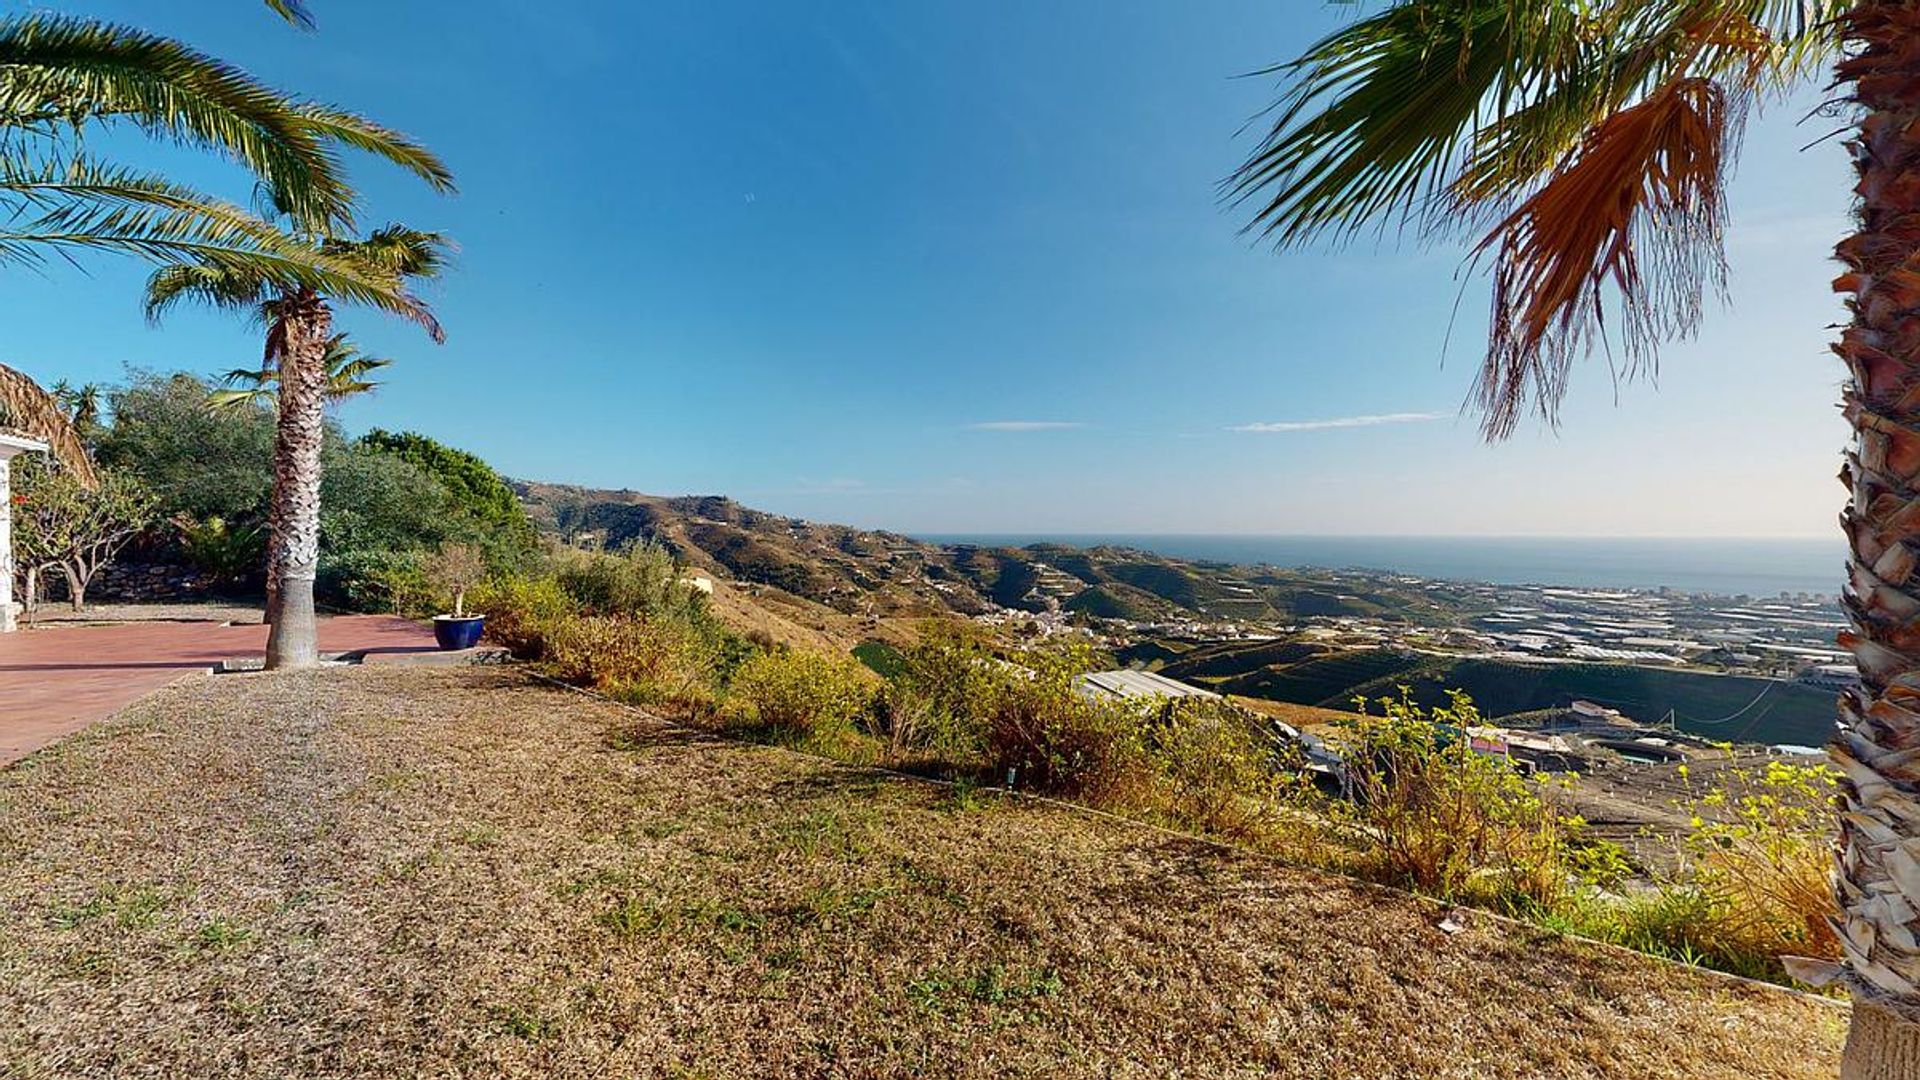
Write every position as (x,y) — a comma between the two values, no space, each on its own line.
(1877,879)
(293,639)
(273,559)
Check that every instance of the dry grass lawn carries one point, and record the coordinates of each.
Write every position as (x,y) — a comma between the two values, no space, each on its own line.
(457,873)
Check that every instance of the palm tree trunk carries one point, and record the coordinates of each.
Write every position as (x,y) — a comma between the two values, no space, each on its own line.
(293,640)
(1878,746)
(273,561)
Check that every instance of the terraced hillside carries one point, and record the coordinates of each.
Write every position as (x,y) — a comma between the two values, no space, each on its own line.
(887,575)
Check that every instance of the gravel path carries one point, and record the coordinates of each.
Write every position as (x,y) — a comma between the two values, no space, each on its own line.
(458,873)
(57,615)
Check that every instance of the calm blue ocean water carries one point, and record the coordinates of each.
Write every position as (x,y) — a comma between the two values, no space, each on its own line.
(1754,567)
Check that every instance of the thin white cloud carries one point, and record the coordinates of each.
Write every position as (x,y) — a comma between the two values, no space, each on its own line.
(1026,425)
(1276,426)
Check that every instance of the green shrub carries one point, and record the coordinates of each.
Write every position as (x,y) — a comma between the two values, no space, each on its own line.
(1219,771)
(373,580)
(943,690)
(1762,849)
(1043,736)
(801,696)
(643,660)
(521,611)
(1437,817)
(227,553)
(642,579)
(1753,883)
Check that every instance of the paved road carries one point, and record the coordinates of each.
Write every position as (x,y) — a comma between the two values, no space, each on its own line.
(55,680)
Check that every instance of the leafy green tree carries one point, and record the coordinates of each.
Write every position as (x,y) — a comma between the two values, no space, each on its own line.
(346,366)
(1583,147)
(382,510)
(480,491)
(198,462)
(61,523)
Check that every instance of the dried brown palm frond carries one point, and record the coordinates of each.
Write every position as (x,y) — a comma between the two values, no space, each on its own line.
(1637,210)
(29,409)
(1501,120)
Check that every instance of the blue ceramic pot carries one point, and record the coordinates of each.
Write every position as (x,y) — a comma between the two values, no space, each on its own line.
(458,631)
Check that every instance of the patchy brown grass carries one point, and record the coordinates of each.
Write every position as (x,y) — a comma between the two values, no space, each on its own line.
(408,873)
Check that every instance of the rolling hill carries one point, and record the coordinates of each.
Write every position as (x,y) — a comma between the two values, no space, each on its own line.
(886,575)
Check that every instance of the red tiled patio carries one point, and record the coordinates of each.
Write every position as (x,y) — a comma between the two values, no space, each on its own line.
(58,679)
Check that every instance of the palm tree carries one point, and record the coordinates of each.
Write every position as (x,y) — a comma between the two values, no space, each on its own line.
(299,333)
(346,371)
(347,376)
(61,75)
(81,402)
(1585,145)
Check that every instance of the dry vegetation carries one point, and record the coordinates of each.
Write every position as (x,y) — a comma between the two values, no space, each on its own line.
(374,873)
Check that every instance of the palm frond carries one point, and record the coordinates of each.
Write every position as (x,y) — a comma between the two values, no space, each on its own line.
(73,70)
(346,371)
(80,70)
(1378,115)
(174,283)
(1591,136)
(32,410)
(294,12)
(1640,210)
(81,205)
(401,255)
(364,135)
(225,400)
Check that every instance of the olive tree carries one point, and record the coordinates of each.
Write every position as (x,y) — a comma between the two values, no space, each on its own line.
(62,524)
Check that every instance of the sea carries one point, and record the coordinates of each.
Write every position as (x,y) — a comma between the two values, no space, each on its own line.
(1728,567)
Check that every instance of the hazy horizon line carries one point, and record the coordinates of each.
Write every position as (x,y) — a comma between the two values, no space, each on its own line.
(1835,536)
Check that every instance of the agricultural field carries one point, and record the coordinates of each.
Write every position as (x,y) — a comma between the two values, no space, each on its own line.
(1328,681)
(1735,708)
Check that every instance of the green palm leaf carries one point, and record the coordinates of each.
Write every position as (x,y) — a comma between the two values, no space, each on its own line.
(80,205)
(346,367)
(64,70)
(293,11)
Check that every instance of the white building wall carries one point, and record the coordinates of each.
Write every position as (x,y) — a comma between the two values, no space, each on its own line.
(10,445)
(6,543)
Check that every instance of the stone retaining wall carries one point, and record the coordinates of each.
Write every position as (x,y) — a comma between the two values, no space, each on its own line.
(138,582)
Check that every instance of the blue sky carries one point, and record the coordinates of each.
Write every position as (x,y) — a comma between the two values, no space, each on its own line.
(950,267)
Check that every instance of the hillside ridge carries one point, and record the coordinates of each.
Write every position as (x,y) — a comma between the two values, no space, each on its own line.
(889,575)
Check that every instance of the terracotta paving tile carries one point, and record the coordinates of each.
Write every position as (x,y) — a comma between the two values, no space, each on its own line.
(58,679)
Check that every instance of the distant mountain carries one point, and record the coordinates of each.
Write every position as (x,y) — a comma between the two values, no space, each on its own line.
(886,575)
